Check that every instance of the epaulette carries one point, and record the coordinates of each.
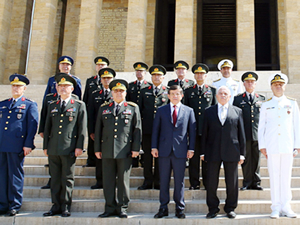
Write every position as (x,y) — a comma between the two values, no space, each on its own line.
(105,103)
(268,99)
(293,99)
(239,94)
(30,100)
(50,94)
(132,103)
(217,80)
(95,91)
(236,79)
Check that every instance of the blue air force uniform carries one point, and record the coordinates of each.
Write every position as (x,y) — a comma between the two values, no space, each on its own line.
(18,126)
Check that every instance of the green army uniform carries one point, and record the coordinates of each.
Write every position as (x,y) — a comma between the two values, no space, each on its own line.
(134,90)
(64,132)
(116,135)
(251,113)
(148,103)
(186,83)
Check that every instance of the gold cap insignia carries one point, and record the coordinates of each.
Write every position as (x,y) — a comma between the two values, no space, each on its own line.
(156,69)
(99,60)
(180,64)
(118,84)
(225,64)
(16,79)
(139,65)
(63,79)
(199,68)
(250,75)
(105,72)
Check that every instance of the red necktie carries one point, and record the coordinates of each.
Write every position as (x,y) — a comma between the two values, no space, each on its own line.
(174,115)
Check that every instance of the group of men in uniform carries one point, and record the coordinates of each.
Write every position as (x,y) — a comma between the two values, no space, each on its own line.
(114,113)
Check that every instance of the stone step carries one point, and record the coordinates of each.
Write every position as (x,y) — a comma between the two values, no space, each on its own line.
(41,180)
(151,206)
(90,171)
(87,193)
(79,218)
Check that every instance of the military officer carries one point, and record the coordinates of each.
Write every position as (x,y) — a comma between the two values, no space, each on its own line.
(199,97)
(225,66)
(150,99)
(134,91)
(250,103)
(98,97)
(64,135)
(117,139)
(92,84)
(278,141)
(18,126)
(65,64)
(181,68)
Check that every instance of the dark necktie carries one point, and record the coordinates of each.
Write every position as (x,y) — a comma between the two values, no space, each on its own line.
(13,103)
(156,90)
(139,85)
(199,89)
(181,83)
(174,115)
(105,94)
(250,98)
(63,105)
(117,109)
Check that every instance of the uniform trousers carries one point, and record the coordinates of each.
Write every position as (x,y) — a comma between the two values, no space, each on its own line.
(91,160)
(280,172)
(11,181)
(62,170)
(116,174)
(149,176)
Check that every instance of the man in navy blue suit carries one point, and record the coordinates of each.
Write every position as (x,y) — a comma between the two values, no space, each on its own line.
(18,126)
(173,140)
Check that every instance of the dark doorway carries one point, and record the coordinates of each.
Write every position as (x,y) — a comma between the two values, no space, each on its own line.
(266,35)
(164,33)
(216,36)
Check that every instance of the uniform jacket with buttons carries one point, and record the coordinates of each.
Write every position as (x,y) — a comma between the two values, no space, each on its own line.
(200,101)
(149,103)
(117,135)
(251,113)
(65,131)
(18,124)
(133,93)
(186,83)
(92,84)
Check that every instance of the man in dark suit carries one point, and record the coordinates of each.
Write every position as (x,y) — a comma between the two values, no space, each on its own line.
(150,100)
(64,135)
(223,140)
(92,84)
(18,126)
(181,67)
(199,97)
(250,103)
(173,140)
(117,139)
(97,98)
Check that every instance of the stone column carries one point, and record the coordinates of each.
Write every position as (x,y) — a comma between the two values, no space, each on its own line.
(184,24)
(135,33)
(150,32)
(245,35)
(289,36)
(41,47)
(5,19)
(88,37)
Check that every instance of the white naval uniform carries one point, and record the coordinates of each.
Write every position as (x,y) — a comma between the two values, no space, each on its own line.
(234,86)
(279,134)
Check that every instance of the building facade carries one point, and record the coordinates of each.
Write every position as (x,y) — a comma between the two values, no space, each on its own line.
(254,34)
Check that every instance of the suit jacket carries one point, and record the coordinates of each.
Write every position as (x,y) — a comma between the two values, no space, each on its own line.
(167,138)
(65,131)
(117,135)
(251,112)
(199,102)
(149,103)
(223,142)
(133,93)
(18,124)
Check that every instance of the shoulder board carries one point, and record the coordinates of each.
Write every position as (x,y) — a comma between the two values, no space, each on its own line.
(191,86)
(236,79)
(239,94)
(6,100)
(29,99)
(293,99)
(131,83)
(105,103)
(217,80)
(212,87)
(50,94)
(268,99)
(54,102)
(97,90)
(132,103)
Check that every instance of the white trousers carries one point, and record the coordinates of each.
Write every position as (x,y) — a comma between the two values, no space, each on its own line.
(280,172)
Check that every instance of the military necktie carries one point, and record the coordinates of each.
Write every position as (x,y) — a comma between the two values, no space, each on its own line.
(105,94)
(250,98)
(117,109)
(139,85)
(156,90)
(181,83)
(63,105)
(174,116)
(199,89)
(13,103)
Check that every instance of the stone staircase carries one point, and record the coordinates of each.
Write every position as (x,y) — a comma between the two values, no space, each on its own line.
(253,206)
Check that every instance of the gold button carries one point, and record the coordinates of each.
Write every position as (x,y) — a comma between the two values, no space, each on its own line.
(9,111)
(138,91)
(278,108)
(62,115)
(8,117)
(22,136)
(60,126)
(115,136)
(199,107)
(59,132)
(199,96)
(199,113)
(115,130)
(6,122)
(279,134)
(252,115)
(155,106)
(5,128)
(116,118)
(199,102)
(155,101)
(252,111)
(154,111)
(61,121)
(252,121)
(278,116)
(116,124)
(279,125)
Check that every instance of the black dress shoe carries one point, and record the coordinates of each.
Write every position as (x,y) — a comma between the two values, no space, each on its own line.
(145,187)
(47,186)
(231,215)
(46,165)
(66,213)
(211,215)
(12,212)
(194,187)
(51,213)
(106,214)
(123,215)
(244,188)
(257,187)
(161,213)
(97,186)
(156,187)
(89,165)
(179,214)
(3,213)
